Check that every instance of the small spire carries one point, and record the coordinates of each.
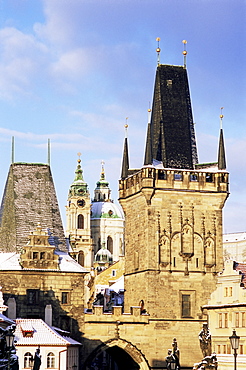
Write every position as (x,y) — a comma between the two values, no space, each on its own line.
(125,160)
(13,150)
(49,152)
(184,52)
(148,151)
(102,171)
(158,50)
(221,153)
(78,171)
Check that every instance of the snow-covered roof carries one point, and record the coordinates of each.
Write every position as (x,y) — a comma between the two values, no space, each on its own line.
(234,237)
(118,285)
(42,334)
(11,261)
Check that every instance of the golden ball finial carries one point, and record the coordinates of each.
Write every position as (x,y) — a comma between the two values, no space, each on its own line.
(149,110)
(158,39)
(185,52)
(184,41)
(221,116)
(126,125)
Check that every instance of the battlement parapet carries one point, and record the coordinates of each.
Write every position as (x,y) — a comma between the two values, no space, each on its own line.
(135,314)
(205,180)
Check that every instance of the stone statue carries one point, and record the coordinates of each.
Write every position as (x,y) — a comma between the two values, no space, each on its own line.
(176,352)
(205,340)
(208,363)
(37,360)
(169,359)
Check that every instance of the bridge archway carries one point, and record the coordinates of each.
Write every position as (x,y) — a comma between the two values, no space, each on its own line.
(116,354)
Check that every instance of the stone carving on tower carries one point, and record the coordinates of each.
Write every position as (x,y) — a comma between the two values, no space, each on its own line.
(78,212)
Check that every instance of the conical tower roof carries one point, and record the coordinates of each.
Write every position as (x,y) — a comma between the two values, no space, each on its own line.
(221,152)
(29,198)
(171,137)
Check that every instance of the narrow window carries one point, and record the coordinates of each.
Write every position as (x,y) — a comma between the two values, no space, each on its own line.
(224,349)
(226,320)
(42,255)
(64,298)
(197,262)
(193,177)
(218,349)
(226,292)
(35,255)
(80,222)
(50,360)
(110,244)
(178,176)
(32,296)
(186,305)
(237,319)
(243,319)
(209,177)
(228,349)
(230,291)
(241,349)
(220,320)
(113,273)
(28,360)
(174,261)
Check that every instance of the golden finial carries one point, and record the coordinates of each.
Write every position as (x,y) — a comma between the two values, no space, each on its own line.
(102,163)
(158,50)
(149,113)
(126,126)
(184,52)
(221,116)
(79,154)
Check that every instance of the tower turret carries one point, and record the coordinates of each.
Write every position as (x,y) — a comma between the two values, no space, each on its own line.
(78,219)
(102,191)
(221,151)
(125,160)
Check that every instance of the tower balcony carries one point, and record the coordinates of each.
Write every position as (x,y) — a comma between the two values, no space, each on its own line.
(198,180)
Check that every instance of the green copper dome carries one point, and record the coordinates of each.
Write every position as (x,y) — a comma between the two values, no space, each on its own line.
(79,186)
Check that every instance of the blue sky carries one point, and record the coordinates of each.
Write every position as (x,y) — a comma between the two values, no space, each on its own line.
(73,70)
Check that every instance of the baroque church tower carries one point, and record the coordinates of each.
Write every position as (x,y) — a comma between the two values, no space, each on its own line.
(173,210)
(78,212)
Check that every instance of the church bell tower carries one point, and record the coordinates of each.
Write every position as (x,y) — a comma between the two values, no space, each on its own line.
(78,212)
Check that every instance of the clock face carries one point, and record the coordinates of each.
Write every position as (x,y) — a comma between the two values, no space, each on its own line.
(81,203)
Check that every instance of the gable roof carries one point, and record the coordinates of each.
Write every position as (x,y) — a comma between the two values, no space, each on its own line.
(11,261)
(43,334)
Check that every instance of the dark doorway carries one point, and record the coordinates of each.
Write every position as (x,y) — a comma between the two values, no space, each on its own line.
(113,358)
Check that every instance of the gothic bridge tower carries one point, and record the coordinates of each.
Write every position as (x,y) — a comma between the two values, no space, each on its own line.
(173,211)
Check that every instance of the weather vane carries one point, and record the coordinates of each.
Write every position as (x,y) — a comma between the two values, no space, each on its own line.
(221,116)
(184,52)
(158,50)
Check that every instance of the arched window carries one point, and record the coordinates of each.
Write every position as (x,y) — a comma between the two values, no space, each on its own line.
(28,360)
(110,244)
(81,258)
(80,222)
(50,360)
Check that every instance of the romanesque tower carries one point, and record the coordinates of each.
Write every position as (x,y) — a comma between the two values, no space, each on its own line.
(173,210)
(78,212)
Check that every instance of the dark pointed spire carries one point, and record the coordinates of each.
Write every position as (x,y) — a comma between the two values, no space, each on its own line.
(148,149)
(125,160)
(221,152)
(172,133)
